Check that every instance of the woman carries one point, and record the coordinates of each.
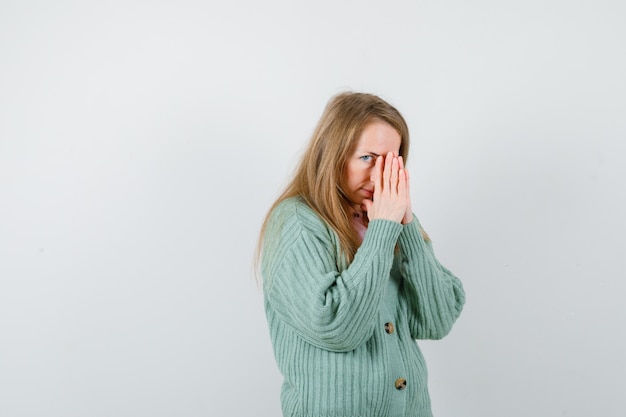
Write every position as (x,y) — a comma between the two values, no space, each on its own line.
(350,279)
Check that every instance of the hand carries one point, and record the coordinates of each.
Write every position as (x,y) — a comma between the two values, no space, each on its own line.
(390,197)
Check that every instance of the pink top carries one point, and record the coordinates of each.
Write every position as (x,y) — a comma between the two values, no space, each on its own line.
(359,221)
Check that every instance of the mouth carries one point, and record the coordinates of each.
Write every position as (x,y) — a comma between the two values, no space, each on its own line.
(368,193)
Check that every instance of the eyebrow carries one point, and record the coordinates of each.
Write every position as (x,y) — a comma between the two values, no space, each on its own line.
(368,152)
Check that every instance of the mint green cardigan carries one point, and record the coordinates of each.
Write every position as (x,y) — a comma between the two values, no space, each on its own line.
(344,335)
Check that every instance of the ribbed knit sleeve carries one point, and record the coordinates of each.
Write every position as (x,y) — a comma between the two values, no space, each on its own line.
(435,296)
(331,309)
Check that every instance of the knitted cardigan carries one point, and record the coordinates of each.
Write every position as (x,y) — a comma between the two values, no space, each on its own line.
(344,335)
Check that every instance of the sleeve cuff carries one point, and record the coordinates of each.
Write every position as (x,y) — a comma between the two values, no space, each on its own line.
(411,240)
(382,235)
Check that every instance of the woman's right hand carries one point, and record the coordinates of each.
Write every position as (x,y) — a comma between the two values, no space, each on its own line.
(390,197)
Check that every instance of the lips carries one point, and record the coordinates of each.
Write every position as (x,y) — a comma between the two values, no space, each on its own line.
(368,193)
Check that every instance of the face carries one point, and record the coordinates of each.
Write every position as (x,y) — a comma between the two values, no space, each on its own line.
(378,139)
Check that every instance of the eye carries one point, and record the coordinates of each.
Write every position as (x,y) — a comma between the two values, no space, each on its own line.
(367,158)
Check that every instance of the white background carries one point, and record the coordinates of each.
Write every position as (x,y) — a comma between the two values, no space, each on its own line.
(141,143)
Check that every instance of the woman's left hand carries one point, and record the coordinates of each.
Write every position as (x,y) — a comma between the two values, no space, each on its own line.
(408,215)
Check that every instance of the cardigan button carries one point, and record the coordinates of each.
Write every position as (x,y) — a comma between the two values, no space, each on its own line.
(400,384)
(389,328)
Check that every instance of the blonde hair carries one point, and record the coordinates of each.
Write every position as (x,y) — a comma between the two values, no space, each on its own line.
(318,178)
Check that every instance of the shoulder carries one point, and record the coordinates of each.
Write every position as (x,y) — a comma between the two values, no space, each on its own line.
(293,213)
(295,228)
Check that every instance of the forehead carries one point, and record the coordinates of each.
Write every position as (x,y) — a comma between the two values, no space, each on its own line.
(379,137)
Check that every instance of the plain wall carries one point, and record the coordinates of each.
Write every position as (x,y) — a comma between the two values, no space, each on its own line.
(141,143)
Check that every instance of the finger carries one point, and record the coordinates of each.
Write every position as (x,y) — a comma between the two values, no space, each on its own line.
(366,205)
(395,186)
(378,176)
(406,175)
(408,189)
(408,217)
(408,186)
(387,171)
(402,184)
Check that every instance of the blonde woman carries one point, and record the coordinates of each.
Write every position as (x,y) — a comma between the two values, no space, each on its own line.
(350,280)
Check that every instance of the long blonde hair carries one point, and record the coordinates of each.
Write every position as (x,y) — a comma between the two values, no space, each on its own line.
(318,178)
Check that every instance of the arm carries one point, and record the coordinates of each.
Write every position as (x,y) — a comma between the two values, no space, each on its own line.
(330,309)
(434,295)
